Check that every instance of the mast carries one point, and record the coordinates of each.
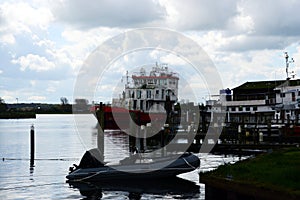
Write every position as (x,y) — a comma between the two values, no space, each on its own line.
(287,62)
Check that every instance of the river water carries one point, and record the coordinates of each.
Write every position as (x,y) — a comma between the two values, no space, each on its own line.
(59,144)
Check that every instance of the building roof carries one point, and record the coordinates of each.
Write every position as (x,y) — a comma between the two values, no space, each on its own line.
(266,84)
(259,85)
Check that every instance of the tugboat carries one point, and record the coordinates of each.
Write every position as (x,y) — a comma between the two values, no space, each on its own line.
(144,95)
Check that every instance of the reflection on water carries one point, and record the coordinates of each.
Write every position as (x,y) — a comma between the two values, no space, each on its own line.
(173,187)
(59,145)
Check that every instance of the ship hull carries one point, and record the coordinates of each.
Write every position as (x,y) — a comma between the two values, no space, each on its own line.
(115,118)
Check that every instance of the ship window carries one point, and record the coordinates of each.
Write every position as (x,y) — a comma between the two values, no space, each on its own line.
(148,93)
(138,94)
(142,105)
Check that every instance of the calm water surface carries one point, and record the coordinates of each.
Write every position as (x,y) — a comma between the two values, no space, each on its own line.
(59,145)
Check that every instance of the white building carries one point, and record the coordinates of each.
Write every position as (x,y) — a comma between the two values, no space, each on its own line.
(262,102)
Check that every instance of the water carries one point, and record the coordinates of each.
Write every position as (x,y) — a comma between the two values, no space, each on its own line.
(58,146)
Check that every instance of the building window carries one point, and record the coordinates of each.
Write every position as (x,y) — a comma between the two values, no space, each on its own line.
(293,96)
(241,108)
(247,108)
(282,94)
(233,109)
(254,108)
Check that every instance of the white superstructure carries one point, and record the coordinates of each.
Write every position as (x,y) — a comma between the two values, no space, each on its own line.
(149,91)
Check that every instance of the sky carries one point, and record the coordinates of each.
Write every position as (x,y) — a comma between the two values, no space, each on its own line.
(45,44)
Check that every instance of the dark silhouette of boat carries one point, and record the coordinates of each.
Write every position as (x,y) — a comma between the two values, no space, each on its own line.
(134,167)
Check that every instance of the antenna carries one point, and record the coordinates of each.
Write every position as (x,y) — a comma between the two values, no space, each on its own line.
(287,65)
(287,61)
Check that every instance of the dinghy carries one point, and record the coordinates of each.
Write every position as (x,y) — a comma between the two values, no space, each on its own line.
(134,167)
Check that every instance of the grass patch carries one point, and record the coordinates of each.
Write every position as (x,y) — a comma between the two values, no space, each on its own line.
(279,170)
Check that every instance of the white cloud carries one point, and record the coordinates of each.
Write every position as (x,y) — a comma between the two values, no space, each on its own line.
(7,39)
(273,17)
(32,82)
(169,58)
(36,98)
(245,39)
(21,17)
(52,86)
(199,14)
(8,98)
(109,13)
(34,62)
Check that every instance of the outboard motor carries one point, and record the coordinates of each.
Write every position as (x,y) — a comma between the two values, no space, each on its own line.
(91,159)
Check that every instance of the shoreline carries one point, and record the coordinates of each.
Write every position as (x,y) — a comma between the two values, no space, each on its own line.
(28,115)
(18,115)
(261,177)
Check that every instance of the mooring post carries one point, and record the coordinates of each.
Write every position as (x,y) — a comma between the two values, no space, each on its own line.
(32,145)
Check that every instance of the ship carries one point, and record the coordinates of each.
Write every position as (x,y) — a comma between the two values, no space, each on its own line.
(146,98)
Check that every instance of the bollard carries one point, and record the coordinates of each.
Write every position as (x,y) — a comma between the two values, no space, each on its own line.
(32,145)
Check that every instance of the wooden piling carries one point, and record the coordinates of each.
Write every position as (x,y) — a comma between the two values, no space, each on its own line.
(32,145)
(100,142)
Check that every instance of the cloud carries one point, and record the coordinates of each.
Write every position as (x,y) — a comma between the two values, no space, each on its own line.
(109,13)
(34,62)
(247,43)
(199,14)
(7,39)
(36,98)
(241,25)
(19,17)
(273,17)
(44,44)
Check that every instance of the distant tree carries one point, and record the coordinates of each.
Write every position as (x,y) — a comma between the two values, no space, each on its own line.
(64,101)
(3,106)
